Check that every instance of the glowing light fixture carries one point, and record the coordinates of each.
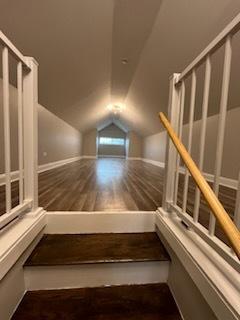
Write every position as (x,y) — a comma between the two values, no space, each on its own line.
(116,108)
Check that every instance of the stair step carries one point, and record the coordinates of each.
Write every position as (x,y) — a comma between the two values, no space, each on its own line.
(72,249)
(93,260)
(142,302)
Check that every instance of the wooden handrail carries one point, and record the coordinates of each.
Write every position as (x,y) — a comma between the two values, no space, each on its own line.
(218,210)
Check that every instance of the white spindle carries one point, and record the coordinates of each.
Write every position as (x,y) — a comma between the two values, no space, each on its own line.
(6,117)
(191,118)
(171,152)
(20,129)
(30,133)
(207,82)
(180,126)
(237,206)
(221,124)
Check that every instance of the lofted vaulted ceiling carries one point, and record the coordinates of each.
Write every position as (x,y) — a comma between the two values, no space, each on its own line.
(81,44)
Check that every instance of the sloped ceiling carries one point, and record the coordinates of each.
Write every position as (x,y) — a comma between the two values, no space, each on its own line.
(80,46)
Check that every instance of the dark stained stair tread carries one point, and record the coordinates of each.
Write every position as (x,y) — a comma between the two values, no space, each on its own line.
(144,302)
(70,249)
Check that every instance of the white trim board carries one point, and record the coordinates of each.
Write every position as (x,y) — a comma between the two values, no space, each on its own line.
(14,177)
(100,222)
(55,164)
(227,182)
(95,275)
(110,156)
(89,157)
(217,281)
(155,163)
(41,168)
(133,158)
(17,237)
(12,286)
(231,183)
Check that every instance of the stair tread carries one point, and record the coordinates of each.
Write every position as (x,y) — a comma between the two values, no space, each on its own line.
(72,249)
(144,302)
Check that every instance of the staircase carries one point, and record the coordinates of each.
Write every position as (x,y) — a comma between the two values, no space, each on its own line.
(98,276)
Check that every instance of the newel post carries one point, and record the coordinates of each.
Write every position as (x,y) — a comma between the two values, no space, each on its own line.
(171,153)
(30,132)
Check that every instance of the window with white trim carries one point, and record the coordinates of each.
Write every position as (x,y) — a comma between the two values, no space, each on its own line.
(112,141)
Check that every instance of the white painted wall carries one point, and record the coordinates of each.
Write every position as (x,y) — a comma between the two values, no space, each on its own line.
(133,145)
(57,139)
(154,145)
(90,143)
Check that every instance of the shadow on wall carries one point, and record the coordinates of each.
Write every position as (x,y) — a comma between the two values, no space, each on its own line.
(57,140)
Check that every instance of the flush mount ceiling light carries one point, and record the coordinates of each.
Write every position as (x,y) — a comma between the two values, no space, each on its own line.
(116,108)
(124,61)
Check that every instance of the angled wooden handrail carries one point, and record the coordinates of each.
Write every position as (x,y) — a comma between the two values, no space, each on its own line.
(218,210)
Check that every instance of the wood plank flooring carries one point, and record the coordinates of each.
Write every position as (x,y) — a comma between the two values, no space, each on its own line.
(112,185)
(71,249)
(132,302)
(98,185)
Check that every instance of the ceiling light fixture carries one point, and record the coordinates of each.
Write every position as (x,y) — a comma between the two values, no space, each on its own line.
(124,61)
(116,108)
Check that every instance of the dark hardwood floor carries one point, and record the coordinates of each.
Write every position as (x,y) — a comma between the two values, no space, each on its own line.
(112,185)
(71,249)
(98,185)
(132,302)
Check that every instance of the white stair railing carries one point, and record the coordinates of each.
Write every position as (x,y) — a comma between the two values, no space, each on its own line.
(175,115)
(27,88)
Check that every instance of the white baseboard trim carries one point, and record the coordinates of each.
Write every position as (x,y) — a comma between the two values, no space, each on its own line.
(14,177)
(56,164)
(155,163)
(133,158)
(89,157)
(227,182)
(100,222)
(41,168)
(110,156)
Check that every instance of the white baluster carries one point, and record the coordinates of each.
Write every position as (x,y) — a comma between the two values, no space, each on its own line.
(180,127)
(190,124)
(203,132)
(171,153)
(221,124)
(6,119)
(30,133)
(20,129)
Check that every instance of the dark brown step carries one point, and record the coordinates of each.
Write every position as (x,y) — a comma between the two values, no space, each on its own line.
(140,302)
(70,249)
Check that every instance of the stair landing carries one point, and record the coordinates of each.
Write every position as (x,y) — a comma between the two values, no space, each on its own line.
(72,249)
(142,302)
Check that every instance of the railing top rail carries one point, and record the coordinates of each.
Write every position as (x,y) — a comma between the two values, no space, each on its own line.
(218,210)
(15,52)
(230,29)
